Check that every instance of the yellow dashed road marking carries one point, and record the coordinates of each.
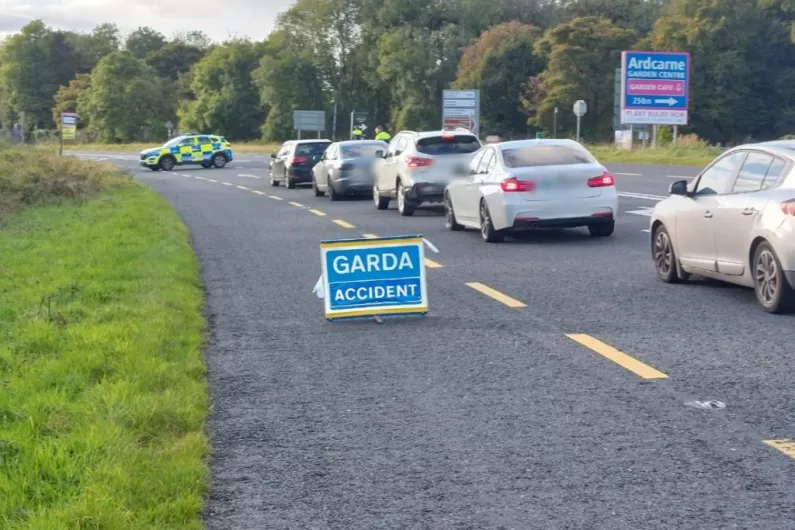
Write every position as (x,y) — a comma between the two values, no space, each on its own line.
(296,204)
(620,358)
(242,188)
(200,178)
(785,445)
(258,192)
(493,293)
(212,180)
(227,184)
(432,264)
(369,236)
(318,212)
(276,197)
(343,224)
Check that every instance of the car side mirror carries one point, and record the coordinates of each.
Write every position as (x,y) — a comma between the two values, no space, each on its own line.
(678,188)
(273,155)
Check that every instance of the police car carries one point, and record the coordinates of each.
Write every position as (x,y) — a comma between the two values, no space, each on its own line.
(205,150)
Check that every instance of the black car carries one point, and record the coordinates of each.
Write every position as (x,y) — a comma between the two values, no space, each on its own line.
(294,162)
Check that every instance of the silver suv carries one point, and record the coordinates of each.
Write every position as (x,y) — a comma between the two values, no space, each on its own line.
(417,167)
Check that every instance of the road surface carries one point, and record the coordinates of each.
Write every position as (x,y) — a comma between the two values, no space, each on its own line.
(550,387)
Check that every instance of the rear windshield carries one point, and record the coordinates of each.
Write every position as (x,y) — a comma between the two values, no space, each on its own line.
(458,144)
(313,149)
(361,150)
(546,155)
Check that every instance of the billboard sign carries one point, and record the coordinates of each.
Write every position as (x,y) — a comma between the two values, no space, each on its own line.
(655,87)
(461,108)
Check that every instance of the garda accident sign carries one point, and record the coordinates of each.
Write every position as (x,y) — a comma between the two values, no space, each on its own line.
(374,277)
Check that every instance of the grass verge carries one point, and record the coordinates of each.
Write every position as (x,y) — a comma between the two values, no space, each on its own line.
(673,156)
(102,389)
(262,148)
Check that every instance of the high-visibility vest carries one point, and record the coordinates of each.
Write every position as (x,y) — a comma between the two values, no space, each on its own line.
(357,132)
(383,135)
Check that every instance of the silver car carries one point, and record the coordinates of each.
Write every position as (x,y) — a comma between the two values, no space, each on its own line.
(417,167)
(734,222)
(346,168)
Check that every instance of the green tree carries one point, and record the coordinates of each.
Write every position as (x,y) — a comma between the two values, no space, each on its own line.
(638,15)
(174,58)
(499,64)
(227,100)
(144,41)
(125,100)
(103,40)
(581,56)
(66,99)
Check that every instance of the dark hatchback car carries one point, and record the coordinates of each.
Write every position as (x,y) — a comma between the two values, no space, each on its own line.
(293,164)
(346,168)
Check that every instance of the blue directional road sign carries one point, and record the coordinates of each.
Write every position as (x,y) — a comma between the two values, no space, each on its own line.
(655,87)
(374,277)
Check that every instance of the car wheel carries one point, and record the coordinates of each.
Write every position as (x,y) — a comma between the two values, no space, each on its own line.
(449,215)
(273,182)
(206,164)
(318,193)
(333,195)
(405,208)
(381,203)
(602,229)
(219,161)
(487,231)
(665,260)
(773,291)
(289,183)
(167,163)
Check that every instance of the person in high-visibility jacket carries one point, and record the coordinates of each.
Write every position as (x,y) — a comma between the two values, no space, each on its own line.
(357,133)
(381,134)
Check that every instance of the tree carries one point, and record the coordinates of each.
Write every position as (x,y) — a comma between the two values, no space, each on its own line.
(173,59)
(499,64)
(227,100)
(67,97)
(105,39)
(581,56)
(144,41)
(125,99)
(638,15)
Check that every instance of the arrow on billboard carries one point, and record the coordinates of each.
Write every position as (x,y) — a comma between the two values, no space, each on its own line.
(671,101)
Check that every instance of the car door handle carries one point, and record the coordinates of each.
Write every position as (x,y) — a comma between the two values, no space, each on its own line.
(707,214)
(749,211)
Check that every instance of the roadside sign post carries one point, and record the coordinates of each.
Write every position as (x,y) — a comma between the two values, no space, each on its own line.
(372,278)
(555,123)
(309,120)
(461,108)
(169,128)
(580,108)
(655,88)
(68,128)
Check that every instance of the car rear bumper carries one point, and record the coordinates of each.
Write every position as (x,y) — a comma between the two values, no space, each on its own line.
(426,192)
(300,175)
(519,214)
(567,222)
(353,184)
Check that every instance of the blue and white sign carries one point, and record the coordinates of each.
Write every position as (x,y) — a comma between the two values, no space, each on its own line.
(374,277)
(655,87)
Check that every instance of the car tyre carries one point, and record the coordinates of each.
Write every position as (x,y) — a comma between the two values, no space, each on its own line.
(167,163)
(602,229)
(773,291)
(318,193)
(219,161)
(274,183)
(206,164)
(665,261)
(333,195)
(405,208)
(449,215)
(381,202)
(289,183)
(154,168)
(487,230)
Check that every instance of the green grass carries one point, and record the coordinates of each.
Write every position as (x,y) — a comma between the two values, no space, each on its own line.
(676,156)
(103,397)
(237,147)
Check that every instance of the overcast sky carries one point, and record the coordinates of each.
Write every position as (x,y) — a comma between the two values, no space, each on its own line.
(219,20)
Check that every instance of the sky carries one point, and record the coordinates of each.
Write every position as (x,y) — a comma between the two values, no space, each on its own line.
(219,20)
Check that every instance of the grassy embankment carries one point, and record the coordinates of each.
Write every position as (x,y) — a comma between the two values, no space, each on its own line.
(102,386)
(686,154)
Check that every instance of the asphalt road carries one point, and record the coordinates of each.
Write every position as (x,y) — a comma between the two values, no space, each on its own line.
(556,401)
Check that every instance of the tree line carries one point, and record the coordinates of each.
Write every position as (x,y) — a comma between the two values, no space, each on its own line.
(393,58)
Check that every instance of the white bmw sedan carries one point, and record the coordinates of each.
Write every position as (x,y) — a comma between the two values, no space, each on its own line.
(734,222)
(529,184)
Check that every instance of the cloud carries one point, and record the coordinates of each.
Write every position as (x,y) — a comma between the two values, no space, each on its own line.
(231,18)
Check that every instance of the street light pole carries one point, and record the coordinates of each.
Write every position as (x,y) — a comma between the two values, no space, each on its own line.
(555,124)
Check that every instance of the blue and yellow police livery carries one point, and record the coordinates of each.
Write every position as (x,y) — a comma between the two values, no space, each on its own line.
(205,149)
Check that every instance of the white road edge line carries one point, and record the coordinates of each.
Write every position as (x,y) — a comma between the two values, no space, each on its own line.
(645,196)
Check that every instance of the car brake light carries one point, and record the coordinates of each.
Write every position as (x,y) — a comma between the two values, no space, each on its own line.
(298,160)
(788,207)
(606,179)
(513,184)
(418,161)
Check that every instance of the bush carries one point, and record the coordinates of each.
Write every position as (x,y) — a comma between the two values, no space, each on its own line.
(31,176)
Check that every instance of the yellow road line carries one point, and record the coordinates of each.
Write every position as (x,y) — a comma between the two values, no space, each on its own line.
(242,188)
(620,358)
(432,264)
(227,184)
(343,224)
(275,197)
(212,180)
(493,293)
(318,212)
(296,204)
(785,445)
(258,192)
(369,236)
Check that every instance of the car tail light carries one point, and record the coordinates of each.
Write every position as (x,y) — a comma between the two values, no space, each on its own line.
(606,179)
(299,160)
(419,161)
(514,184)
(788,207)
